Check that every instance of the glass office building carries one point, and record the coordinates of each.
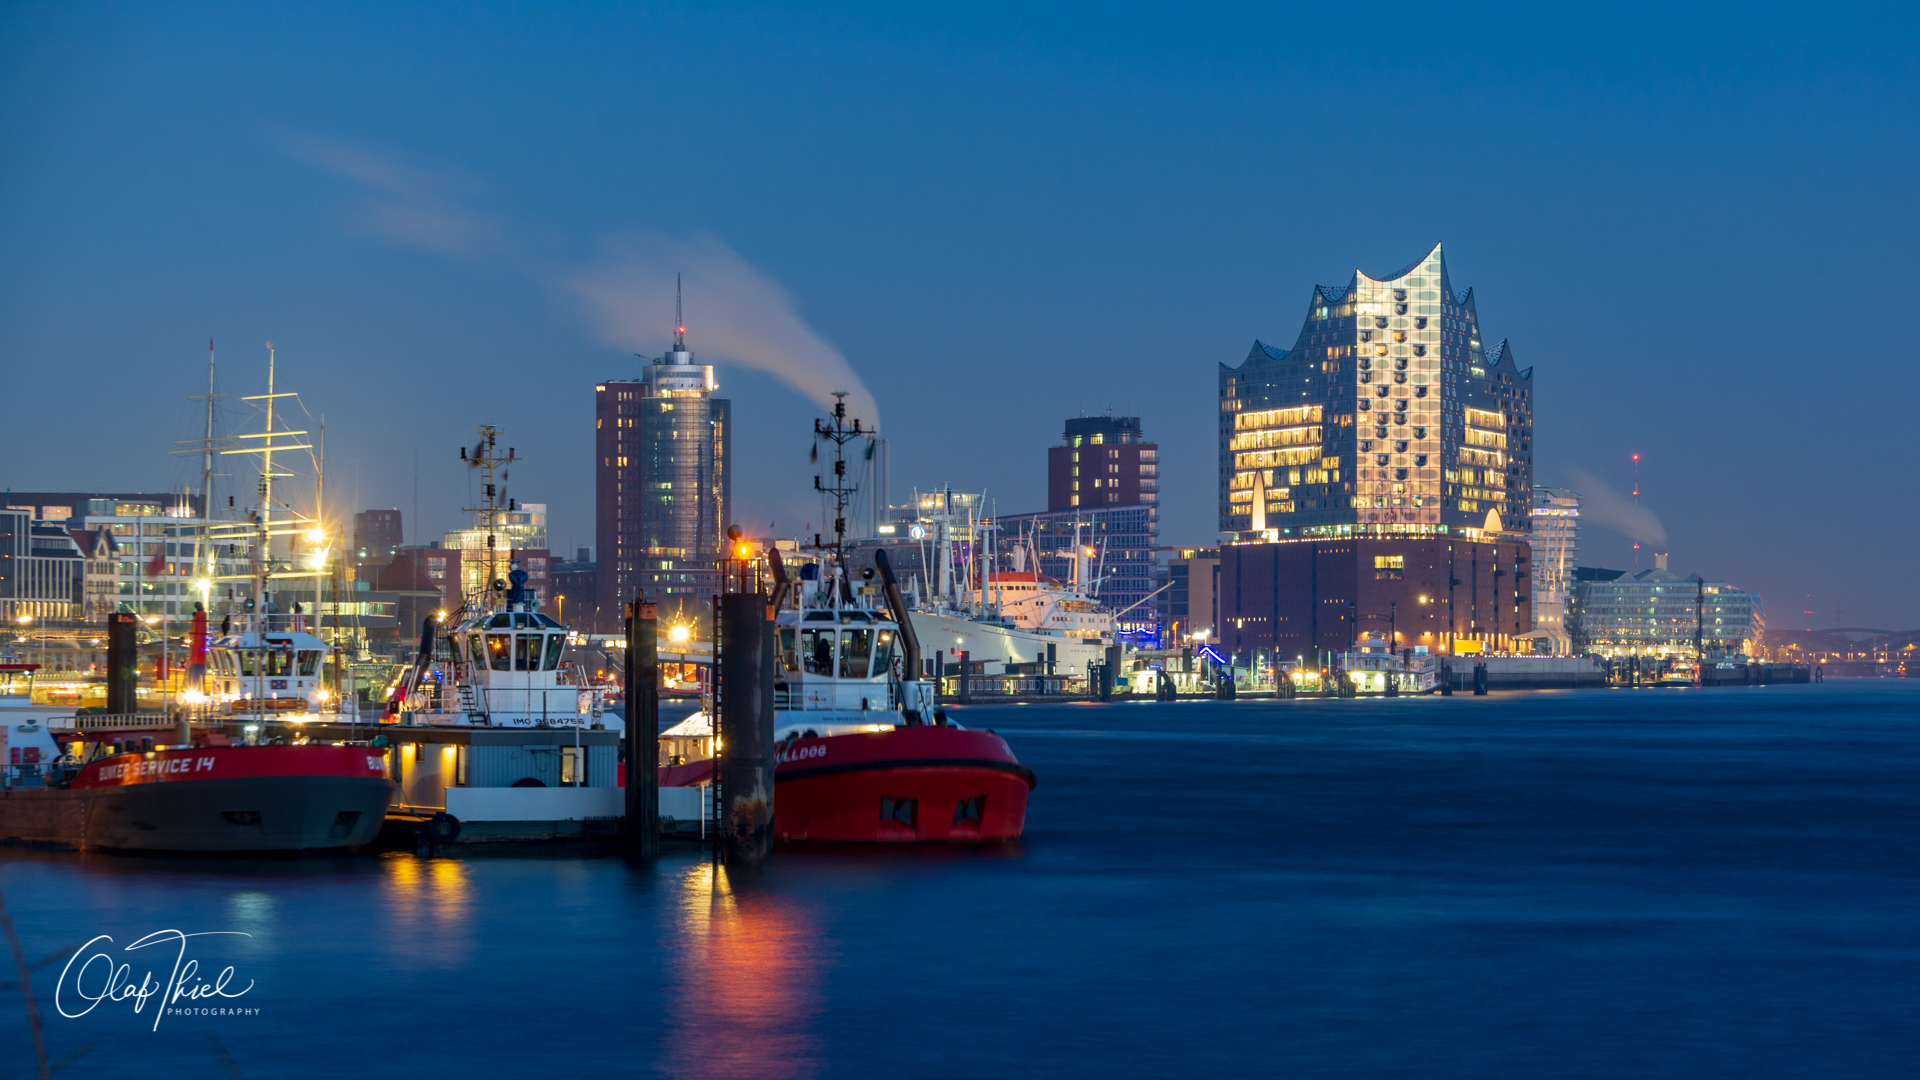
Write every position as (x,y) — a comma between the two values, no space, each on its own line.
(1389,415)
(1656,612)
(663,487)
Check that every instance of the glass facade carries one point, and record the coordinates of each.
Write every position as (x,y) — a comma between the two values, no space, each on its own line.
(1655,613)
(1556,547)
(664,488)
(1388,416)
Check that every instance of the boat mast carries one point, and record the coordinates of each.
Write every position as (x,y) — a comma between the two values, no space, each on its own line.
(203,546)
(840,434)
(484,457)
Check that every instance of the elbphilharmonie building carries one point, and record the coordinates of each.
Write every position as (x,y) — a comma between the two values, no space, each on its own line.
(1388,416)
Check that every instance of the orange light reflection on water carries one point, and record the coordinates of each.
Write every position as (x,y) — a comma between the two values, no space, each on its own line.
(429,908)
(745,993)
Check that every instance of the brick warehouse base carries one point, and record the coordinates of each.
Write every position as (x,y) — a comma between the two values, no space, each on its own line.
(1309,597)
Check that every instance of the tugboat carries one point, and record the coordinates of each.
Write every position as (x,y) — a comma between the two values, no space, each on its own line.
(863,753)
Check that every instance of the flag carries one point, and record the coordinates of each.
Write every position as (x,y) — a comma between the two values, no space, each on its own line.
(158,564)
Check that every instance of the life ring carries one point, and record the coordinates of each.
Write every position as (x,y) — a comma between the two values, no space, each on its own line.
(443,828)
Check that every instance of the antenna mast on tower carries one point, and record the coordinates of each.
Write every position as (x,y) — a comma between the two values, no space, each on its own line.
(1636,506)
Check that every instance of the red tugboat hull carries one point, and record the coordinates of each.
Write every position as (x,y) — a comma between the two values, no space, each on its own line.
(228,799)
(922,784)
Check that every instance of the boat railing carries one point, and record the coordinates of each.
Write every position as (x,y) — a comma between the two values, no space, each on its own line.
(110,721)
(511,701)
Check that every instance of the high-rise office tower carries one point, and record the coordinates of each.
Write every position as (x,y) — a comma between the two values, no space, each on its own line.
(1556,547)
(1389,416)
(1102,461)
(663,487)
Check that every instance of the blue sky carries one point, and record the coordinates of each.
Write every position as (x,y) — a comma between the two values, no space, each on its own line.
(1692,225)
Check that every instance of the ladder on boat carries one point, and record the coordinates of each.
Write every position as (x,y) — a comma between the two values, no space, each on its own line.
(469,700)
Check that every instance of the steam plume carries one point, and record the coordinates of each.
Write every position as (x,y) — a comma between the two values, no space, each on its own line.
(1603,505)
(407,205)
(734,312)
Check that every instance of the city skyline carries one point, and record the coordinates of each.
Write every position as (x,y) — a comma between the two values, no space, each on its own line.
(455,266)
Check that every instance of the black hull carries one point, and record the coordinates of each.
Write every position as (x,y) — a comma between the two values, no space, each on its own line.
(242,815)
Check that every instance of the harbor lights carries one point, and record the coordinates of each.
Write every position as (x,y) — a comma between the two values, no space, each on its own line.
(680,633)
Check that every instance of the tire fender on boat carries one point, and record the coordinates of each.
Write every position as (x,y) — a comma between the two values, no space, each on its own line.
(443,828)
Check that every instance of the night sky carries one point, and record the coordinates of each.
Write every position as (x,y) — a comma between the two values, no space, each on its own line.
(1695,227)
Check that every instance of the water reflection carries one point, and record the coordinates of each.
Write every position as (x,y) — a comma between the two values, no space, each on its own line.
(745,986)
(429,910)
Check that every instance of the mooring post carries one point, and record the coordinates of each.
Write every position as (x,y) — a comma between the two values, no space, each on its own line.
(746,727)
(122,663)
(642,735)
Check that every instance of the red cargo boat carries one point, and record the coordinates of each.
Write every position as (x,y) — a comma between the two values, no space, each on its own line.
(215,799)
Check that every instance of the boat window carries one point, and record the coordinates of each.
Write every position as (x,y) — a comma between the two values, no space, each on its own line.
(500,620)
(498,654)
(883,653)
(818,616)
(280,662)
(526,652)
(547,621)
(309,661)
(856,652)
(816,651)
(556,646)
(246,663)
(789,658)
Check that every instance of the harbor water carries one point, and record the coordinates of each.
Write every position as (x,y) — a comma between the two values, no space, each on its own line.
(1546,884)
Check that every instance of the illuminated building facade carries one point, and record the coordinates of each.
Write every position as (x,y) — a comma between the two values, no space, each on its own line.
(663,488)
(1388,416)
(1656,613)
(1102,461)
(1376,477)
(1191,610)
(1556,548)
(1308,599)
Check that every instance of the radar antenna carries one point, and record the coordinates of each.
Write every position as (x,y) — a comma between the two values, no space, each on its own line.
(837,431)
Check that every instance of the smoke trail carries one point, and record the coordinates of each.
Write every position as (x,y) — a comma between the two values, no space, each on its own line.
(409,205)
(1603,505)
(734,312)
